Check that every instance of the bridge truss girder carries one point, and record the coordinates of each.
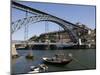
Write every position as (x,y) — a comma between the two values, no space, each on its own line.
(42,16)
(34,19)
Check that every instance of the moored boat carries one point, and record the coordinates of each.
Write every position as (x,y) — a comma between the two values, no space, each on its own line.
(30,55)
(57,60)
(38,69)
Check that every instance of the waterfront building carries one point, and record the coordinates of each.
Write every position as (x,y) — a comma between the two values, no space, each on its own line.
(56,36)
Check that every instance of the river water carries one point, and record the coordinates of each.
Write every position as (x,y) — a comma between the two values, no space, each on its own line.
(86,59)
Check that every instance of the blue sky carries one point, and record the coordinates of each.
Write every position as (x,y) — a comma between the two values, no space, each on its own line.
(74,13)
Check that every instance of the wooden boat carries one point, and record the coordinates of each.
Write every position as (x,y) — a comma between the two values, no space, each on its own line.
(57,60)
(29,56)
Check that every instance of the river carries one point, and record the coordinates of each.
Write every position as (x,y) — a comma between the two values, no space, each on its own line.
(86,57)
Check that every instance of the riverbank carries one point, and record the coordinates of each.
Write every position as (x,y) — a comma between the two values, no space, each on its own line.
(55,47)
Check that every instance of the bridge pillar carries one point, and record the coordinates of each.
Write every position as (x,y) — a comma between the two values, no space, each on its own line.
(14,52)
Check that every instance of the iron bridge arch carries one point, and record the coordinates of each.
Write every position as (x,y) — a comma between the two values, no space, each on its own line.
(42,16)
(34,19)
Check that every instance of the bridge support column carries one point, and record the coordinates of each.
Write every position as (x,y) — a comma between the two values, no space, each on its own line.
(14,52)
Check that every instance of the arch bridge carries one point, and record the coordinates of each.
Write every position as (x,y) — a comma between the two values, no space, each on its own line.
(39,16)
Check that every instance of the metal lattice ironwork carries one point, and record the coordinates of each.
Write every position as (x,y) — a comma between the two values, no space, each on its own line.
(42,16)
